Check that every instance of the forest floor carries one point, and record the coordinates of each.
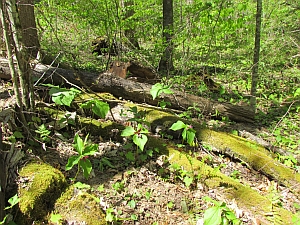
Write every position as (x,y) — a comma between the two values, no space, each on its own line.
(137,193)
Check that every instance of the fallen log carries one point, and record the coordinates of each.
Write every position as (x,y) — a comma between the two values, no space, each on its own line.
(135,91)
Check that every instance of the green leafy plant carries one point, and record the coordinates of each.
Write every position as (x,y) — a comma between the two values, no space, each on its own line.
(139,136)
(187,177)
(56,218)
(119,186)
(219,214)
(84,150)
(138,116)
(8,217)
(132,203)
(110,215)
(62,96)
(235,174)
(98,107)
(188,133)
(158,88)
(68,118)
(44,133)
(102,163)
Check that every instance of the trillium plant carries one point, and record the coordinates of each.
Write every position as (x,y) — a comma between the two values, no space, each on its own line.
(84,150)
(139,136)
(188,133)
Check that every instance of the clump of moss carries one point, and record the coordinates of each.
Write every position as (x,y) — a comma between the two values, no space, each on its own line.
(79,206)
(40,185)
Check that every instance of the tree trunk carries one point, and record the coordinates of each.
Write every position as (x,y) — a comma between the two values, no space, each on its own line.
(2,179)
(13,34)
(256,55)
(166,61)
(29,30)
(135,91)
(130,32)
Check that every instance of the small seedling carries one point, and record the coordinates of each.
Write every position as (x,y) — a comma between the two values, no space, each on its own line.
(44,133)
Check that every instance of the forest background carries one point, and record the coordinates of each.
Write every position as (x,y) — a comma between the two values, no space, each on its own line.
(213,37)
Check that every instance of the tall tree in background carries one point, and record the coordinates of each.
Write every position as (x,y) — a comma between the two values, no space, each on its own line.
(256,56)
(166,62)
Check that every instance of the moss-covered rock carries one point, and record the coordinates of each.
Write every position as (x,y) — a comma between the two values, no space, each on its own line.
(40,185)
(78,206)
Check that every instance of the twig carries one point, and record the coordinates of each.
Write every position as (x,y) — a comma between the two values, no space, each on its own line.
(283,116)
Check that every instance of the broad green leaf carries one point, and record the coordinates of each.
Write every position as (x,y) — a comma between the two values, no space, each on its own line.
(90,149)
(183,134)
(178,125)
(18,134)
(212,216)
(109,215)
(13,201)
(140,140)
(63,96)
(87,105)
(156,90)
(55,218)
(188,181)
(128,131)
(134,217)
(72,161)
(80,185)
(131,204)
(230,215)
(86,166)
(79,144)
(297,92)
(190,136)
(130,156)
(100,108)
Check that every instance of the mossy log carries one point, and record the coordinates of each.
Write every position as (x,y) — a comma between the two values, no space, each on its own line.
(134,91)
(39,186)
(76,205)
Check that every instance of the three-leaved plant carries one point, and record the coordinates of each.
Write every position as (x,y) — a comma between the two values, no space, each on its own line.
(84,150)
(188,133)
(139,136)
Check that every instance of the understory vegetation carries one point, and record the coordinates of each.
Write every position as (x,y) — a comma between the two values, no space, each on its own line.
(107,148)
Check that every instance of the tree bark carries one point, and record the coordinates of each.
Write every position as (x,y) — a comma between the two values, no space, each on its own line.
(166,61)
(28,25)
(2,179)
(256,56)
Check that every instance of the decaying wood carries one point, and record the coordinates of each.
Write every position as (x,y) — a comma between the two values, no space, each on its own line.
(138,92)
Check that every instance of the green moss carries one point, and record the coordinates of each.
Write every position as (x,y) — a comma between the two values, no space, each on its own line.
(40,186)
(232,189)
(255,155)
(78,205)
